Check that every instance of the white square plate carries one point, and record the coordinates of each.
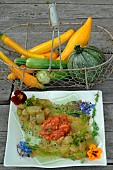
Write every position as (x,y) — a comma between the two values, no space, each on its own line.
(15,133)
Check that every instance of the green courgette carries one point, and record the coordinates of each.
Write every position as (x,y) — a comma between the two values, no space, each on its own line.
(40,63)
(44,63)
(20,61)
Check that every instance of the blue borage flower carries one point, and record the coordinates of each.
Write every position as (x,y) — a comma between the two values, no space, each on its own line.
(23,149)
(86,107)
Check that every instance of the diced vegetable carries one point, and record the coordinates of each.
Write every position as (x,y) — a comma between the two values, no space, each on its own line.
(31,110)
(60,134)
(40,118)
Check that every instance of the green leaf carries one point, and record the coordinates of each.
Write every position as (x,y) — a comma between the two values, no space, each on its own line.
(94,112)
(82,139)
(30,101)
(95,126)
(94,133)
(95,129)
(72,157)
(47,2)
(97,97)
(81,161)
(75,140)
(27,139)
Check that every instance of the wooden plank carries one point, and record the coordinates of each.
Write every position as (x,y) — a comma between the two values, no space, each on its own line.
(69,12)
(5,85)
(2,145)
(36,35)
(5,90)
(4,113)
(109,146)
(27,11)
(43,24)
(110,167)
(108,138)
(88,2)
(108,113)
(105,87)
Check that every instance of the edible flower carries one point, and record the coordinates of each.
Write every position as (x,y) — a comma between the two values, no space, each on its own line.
(23,149)
(94,152)
(86,107)
(19,97)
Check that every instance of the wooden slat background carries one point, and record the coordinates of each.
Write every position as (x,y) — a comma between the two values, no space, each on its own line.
(13,12)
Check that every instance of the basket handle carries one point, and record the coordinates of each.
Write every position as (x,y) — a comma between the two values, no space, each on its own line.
(54,23)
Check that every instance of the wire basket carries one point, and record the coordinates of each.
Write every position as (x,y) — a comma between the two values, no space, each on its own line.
(30,35)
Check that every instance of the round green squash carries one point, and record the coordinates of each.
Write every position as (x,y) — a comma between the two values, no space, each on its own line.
(85,57)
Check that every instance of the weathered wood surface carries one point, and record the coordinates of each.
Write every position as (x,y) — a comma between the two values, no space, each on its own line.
(108,113)
(70,12)
(88,2)
(69,168)
(5,91)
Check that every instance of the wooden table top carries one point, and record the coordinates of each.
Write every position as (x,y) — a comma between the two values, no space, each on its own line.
(25,11)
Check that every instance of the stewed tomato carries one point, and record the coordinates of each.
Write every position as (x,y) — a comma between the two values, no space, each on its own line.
(55,127)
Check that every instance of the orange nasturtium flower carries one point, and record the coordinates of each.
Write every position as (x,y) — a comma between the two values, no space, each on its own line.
(94,152)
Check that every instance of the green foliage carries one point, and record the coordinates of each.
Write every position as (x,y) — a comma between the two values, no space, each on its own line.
(30,101)
(95,129)
(94,112)
(96,98)
(94,124)
(75,140)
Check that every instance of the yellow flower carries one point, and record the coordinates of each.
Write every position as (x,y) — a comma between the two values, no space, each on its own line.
(94,152)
